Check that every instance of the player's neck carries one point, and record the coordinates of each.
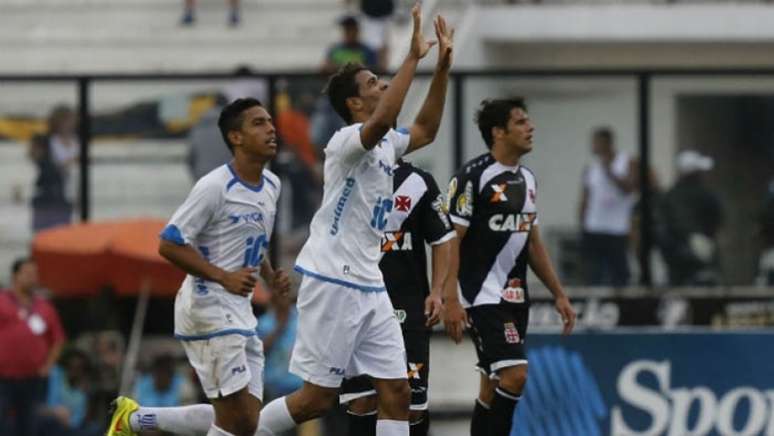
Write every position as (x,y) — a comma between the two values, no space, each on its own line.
(249,170)
(509,158)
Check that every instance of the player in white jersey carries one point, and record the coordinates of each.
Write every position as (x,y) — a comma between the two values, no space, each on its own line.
(346,323)
(219,236)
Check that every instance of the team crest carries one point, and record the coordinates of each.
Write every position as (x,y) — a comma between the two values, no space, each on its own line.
(403,203)
(465,201)
(499,193)
(514,292)
(511,334)
(400,315)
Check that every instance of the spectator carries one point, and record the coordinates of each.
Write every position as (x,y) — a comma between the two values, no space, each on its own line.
(163,387)
(67,407)
(56,157)
(766,236)
(693,216)
(606,204)
(350,49)
(189,13)
(206,149)
(31,339)
(246,85)
(376,25)
(277,329)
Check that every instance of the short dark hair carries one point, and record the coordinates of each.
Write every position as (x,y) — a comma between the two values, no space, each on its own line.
(496,113)
(605,133)
(341,86)
(18,263)
(232,116)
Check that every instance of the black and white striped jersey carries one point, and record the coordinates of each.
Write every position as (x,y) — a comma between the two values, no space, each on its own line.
(418,216)
(497,205)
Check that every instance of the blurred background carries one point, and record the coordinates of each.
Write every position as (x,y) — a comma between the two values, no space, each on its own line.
(108,114)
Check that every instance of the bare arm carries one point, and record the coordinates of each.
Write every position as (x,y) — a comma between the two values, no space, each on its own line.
(428,120)
(189,260)
(388,108)
(455,318)
(440,274)
(541,265)
(628,183)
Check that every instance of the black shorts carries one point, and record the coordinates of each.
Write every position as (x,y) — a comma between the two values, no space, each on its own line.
(498,331)
(418,355)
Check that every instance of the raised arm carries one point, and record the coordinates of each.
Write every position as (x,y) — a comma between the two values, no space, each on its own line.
(428,120)
(388,108)
(541,265)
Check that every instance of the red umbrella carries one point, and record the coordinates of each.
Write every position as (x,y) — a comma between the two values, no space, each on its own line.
(80,259)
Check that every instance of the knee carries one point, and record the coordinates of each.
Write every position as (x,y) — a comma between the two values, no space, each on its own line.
(315,406)
(244,425)
(513,379)
(396,398)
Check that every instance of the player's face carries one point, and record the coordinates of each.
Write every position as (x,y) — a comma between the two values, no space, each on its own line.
(519,131)
(370,89)
(257,135)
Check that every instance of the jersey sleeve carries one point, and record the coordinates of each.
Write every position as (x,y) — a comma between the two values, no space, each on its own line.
(436,226)
(193,215)
(400,139)
(461,199)
(346,144)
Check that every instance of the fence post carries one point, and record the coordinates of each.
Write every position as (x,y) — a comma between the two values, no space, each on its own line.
(84,133)
(646,240)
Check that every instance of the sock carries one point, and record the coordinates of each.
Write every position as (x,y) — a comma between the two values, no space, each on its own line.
(275,418)
(217,431)
(420,427)
(194,419)
(501,417)
(361,425)
(479,424)
(390,427)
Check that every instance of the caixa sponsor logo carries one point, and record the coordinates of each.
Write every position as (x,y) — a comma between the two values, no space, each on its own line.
(520,222)
(687,411)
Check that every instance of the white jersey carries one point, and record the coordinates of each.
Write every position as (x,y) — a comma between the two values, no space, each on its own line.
(609,208)
(229,222)
(344,244)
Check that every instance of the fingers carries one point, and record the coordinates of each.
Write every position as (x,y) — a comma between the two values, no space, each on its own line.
(416,13)
(434,315)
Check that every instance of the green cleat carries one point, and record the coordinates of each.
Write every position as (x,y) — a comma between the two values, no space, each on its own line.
(122,408)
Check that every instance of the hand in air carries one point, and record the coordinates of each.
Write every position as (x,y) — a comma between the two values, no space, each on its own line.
(445,35)
(419,46)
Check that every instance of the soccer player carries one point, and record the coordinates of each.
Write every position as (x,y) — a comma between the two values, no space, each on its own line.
(492,203)
(346,323)
(418,217)
(219,237)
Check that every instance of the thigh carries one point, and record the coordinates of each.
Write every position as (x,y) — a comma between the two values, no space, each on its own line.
(379,351)
(329,322)
(498,332)
(221,364)
(255,363)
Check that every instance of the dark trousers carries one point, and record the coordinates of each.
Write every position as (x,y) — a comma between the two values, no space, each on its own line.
(19,402)
(605,259)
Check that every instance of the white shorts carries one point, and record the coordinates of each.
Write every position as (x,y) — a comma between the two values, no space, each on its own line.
(345,332)
(226,364)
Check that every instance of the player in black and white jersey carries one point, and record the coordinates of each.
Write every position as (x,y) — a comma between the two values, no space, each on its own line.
(492,203)
(418,217)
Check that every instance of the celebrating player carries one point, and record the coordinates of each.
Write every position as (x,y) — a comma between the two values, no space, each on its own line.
(418,217)
(219,237)
(492,203)
(346,323)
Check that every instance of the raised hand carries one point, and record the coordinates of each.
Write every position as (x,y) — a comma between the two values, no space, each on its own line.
(419,46)
(445,35)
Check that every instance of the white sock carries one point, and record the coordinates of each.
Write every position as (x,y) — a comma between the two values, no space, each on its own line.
(275,418)
(190,420)
(217,431)
(390,427)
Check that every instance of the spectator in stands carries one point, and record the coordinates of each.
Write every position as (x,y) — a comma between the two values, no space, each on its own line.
(766,236)
(163,386)
(31,338)
(349,49)
(205,152)
(67,407)
(608,194)
(693,216)
(376,26)
(56,157)
(189,13)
